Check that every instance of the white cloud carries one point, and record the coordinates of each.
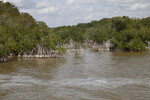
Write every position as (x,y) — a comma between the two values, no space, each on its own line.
(95,16)
(71,2)
(91,9)
(69,12)
(47,10)
(43,4)
(138,6)
(16,2)
(22,3)
(123,3)
(28,10)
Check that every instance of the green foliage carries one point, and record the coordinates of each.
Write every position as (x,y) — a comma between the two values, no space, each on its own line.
(7,42)
(21,32)
(100,35)
(120,23)
(68,33)
(135,45)
(130,40)
(126,34)
(146,22)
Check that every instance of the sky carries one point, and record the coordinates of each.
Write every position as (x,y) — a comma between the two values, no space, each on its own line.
(71,12)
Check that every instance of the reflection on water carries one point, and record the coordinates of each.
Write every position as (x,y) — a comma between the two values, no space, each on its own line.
(87,75)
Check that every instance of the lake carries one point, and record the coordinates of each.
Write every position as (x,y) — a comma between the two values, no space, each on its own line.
(86,75)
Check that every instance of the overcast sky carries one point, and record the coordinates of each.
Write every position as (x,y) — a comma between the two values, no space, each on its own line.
(70,12)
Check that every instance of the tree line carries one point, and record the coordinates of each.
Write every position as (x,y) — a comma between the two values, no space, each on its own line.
(21,32)
(126,34)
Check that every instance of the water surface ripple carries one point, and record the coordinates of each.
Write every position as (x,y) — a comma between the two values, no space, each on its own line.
(87,75)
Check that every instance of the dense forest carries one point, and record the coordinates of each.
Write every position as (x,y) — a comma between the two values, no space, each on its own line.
(126,34)
(21,32)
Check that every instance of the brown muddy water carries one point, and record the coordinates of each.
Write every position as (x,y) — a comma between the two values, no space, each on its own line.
(87,75)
